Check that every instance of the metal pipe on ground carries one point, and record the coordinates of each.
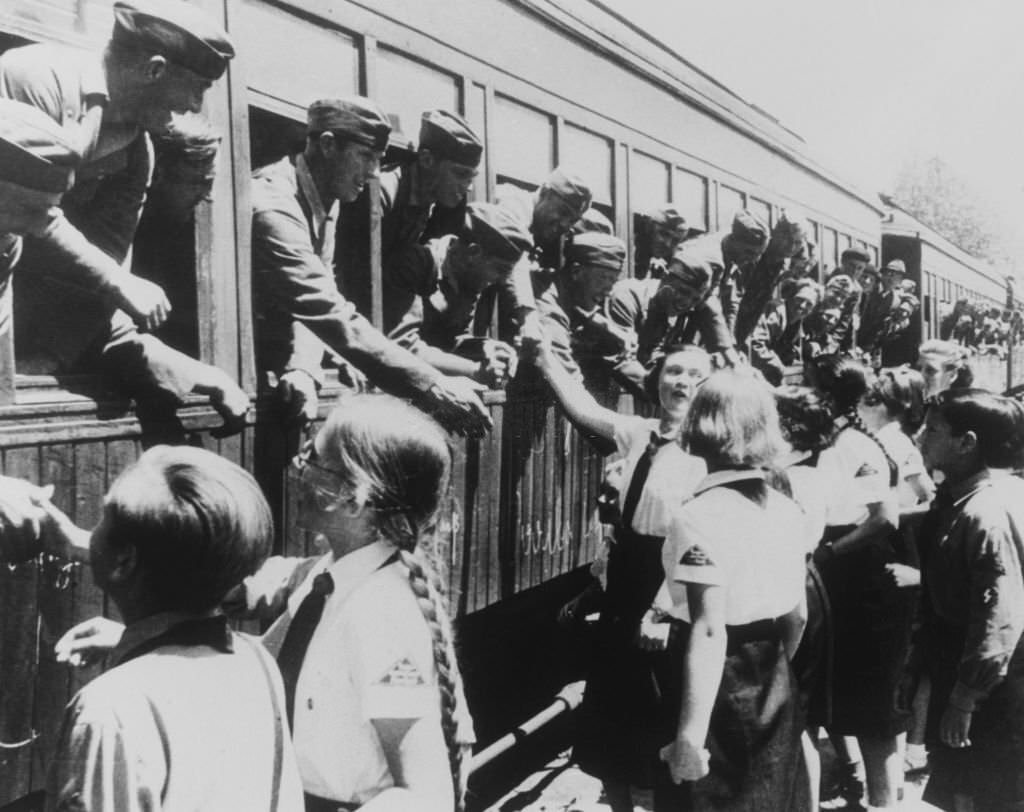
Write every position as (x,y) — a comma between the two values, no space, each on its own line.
(567,699)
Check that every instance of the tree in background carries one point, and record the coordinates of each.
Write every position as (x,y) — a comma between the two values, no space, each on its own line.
(931,191)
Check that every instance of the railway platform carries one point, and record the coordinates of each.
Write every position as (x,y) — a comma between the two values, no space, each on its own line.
(560,786)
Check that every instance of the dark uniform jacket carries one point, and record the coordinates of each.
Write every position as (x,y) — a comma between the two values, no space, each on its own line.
(776,342)
(294,282)
(422,303)
(628,306)
(64,274)
(973,579)
(406,219)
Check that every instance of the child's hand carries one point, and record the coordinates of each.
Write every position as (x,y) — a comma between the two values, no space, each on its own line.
(88,642)
(903,576)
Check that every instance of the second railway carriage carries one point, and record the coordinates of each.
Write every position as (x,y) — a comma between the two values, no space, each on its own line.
(545,83)
(943,274)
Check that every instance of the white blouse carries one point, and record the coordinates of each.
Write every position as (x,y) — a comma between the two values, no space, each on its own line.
(672,479)
(755,551)
(863,476)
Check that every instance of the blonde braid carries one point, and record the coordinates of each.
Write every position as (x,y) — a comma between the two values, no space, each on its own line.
(432,605)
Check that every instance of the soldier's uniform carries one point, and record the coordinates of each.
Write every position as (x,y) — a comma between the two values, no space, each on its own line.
(427,300)
(64,316)
(408,215)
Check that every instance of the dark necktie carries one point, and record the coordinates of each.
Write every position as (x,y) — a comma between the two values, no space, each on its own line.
(640,473)
(300,632)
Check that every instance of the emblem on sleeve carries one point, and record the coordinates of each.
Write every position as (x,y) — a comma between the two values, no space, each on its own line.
(402,674)
(696,557)
(867,469)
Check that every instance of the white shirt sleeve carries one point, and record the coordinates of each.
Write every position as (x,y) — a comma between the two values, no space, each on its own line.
(391,656)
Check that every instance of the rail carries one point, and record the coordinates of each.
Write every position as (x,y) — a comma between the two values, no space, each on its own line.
(567,699)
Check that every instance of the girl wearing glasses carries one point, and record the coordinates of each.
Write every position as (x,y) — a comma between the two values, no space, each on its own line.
(616,740)
(379,717)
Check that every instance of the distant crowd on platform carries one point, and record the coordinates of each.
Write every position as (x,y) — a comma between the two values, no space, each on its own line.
(780,560)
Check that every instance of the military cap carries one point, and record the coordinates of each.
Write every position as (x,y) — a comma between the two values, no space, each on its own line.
(668,217)
(691,267)
(451,137)
(401,149)
(355,118)
(593,220)
(895,266)
(856,254)
(35,151)
(496,231)
(840,281)
(592,248)
(570,188)
(748,229)
(181,32)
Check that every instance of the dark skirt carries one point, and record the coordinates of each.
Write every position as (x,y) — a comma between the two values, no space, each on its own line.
(872,622)
(991,770)
(615,736)
(756,759)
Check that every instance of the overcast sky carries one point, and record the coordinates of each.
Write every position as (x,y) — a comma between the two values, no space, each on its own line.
(871,84)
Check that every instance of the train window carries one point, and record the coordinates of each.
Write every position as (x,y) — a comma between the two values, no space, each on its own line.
(590,156)
(62,19)
(829,245)
(329,66)
(845,241)
(408,87)
(762,209)
(648,182)
(690,195)
(730,201)
(523,142)
(873,251)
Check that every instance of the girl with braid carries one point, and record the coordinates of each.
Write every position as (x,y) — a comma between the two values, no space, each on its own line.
(871,616)
(379,719)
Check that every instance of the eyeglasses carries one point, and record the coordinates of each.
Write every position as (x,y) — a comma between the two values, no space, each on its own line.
(324,484)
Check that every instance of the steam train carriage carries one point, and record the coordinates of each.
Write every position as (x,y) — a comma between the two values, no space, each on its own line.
(545,84)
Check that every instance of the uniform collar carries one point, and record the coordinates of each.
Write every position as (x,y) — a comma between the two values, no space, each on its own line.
(307,187)
(94,78)
(962,491)
(353,568)
(142,633)
(727,476)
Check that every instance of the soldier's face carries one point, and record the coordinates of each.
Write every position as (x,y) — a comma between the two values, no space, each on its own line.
(454,180)
(801,304)
(593,284)
(676,295)
(168,91)
(853,267)
(664,241)
(353,166)
(26,211)
(552,216)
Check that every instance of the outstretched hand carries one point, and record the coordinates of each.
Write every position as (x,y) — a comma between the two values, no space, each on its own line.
(88,642)
(456,403)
